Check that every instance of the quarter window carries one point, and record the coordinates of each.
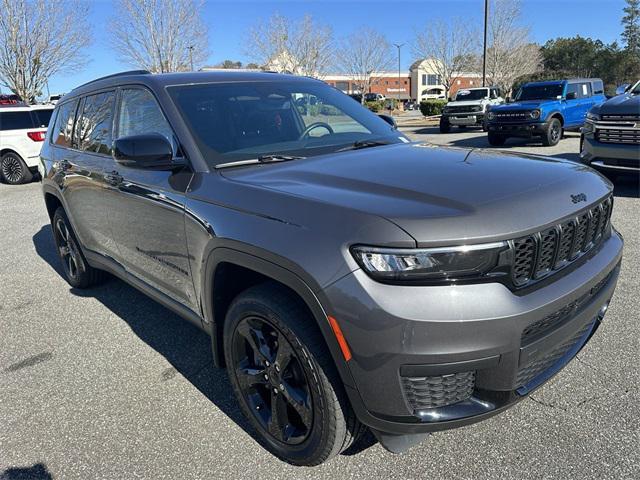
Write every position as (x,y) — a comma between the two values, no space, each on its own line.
(16,120)
(63,128)
(96,122)
(140,114)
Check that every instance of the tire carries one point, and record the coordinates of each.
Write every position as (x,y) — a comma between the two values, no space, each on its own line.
(496,140)
(553,134)
(77,272)
(462,127)
(445,127)
(13,170)
(270,320)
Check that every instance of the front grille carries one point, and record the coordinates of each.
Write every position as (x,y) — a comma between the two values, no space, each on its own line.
(543,253)
(630,136)
(463,109)
(621,118)
(559,317)
(535,368)
(515,116)
(438,391)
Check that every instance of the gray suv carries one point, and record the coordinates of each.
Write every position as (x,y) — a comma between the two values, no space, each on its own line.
(349,279)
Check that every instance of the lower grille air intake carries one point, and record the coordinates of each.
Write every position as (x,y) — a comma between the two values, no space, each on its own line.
(438,391)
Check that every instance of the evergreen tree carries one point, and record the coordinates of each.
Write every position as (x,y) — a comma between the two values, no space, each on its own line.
(631,23)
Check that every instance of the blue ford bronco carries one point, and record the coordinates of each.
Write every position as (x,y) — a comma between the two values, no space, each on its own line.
(545,110)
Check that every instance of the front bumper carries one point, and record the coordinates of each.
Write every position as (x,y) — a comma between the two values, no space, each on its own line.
(526,130)
(400,334)
(610,156)
(465,119)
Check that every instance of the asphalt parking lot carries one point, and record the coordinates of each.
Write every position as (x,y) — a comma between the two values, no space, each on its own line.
(107,384)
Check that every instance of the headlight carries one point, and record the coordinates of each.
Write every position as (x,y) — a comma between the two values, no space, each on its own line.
(594,117)
(428,264)
(491,115)
(535,114)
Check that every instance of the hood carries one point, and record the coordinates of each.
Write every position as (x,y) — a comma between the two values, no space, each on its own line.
(524,105)
(466,103)
(620,105)
(437,195)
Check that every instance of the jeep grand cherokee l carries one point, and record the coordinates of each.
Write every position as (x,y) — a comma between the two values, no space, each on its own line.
(349,279)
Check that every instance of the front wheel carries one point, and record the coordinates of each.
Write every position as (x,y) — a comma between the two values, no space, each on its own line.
(13,170)
(496,140)
(284,378)
(553,134)
(445,126)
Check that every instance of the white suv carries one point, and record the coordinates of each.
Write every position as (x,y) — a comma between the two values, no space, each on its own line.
(469,107)
(22,131)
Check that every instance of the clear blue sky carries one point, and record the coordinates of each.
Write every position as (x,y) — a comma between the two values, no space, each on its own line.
(398,19)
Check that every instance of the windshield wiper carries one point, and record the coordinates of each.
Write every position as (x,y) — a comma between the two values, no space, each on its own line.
(278,158)
(259,159)
(358,144)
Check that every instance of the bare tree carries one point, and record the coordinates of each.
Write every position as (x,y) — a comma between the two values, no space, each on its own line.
(362,54)
(510,50)
(160,35)
(284,45)
(39,38)
(448,49)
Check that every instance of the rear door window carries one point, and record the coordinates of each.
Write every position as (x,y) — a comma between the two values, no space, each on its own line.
(16,120)
(42,117)
(584,90)
(63,128)
(95,124)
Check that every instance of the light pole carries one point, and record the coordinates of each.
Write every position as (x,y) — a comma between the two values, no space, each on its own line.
(190,48)
(398,46)
(484,55)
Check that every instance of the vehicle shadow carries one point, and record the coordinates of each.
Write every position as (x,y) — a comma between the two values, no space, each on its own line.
(37,471)
(186,347)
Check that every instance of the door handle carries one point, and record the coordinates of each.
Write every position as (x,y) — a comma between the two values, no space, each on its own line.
(113,178)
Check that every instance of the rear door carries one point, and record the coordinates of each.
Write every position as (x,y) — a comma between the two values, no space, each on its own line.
(572,107)
(149,207)
(587,100)
(82,142)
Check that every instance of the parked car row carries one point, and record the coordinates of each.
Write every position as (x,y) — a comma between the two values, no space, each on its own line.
(610,128)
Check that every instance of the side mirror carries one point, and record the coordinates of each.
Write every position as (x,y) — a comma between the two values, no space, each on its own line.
(389,119)
(150,151)
(571,96)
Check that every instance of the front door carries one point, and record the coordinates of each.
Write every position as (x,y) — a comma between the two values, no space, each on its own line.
(148,215)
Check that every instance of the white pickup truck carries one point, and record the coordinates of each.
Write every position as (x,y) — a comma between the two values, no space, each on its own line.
(469,107)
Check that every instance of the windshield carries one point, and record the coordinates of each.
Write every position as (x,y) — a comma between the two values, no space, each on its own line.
(245,120)
(464,95)
(540,92)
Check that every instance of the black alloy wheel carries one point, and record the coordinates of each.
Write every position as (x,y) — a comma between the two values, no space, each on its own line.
(68,250)
(272,381)
(553,133)
(78,272)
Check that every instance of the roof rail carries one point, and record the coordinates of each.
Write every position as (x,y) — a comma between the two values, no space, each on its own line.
(119,74)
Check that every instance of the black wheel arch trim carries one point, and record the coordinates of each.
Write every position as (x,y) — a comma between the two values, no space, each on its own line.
(228,252)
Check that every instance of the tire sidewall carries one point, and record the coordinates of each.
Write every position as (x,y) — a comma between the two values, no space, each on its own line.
(313,444)
(549,140)
(81,280)
(26,173)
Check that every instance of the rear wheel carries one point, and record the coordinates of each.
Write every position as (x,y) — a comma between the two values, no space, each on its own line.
(77,271)
(13,170)
(496,140)
(553,134)
(284,378)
